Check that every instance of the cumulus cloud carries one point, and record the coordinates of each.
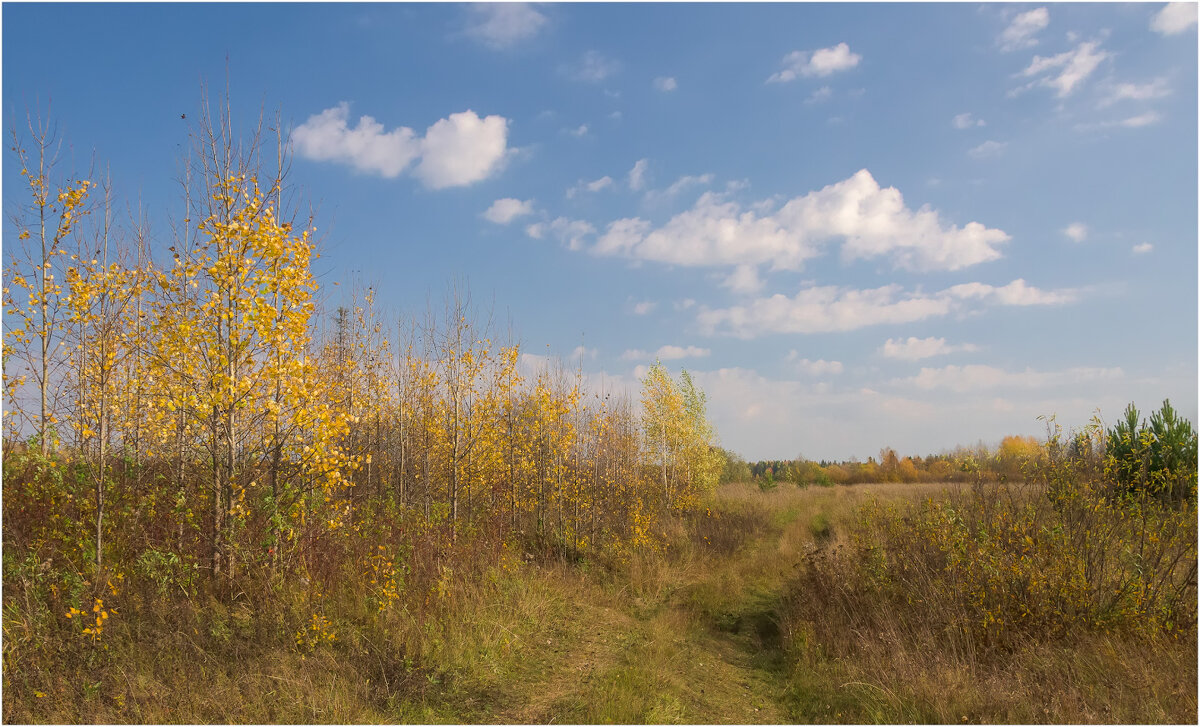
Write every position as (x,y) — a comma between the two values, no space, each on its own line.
(593,186)
(504,211)
(1065,71)
(577,132)
(820,367)
(455,151)
(567,231)
(827,309)
(963,379)
(503,25)
(644,307)
(822,62)
(868,220)
(1021,31)
(637,175)
(1077,231)
(666,353)
(1174,18)
(743,280)
(967,121)
(988,149)
(593,67)
(1018,293)
(1142,248)
(583,352)
(915,349)
(665,83)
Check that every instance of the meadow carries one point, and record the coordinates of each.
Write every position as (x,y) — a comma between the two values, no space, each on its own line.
(226,502)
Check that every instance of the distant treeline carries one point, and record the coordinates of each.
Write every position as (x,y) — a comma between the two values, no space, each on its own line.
(1158,455)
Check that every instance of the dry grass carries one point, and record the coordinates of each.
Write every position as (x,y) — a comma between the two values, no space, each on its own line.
(720,627)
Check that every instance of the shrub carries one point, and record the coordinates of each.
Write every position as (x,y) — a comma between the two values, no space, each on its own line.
(995,565)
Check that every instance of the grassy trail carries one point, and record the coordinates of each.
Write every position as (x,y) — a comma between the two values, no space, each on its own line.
(691,642)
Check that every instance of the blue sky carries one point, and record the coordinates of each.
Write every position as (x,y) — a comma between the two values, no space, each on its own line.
(857,225)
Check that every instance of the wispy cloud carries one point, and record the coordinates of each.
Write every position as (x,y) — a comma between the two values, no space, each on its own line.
(593,67)
(988,149)
(637,175)
(963,379)
(822,62)
(455,151)
(593,186)
(503,25)
(565,230)
(1174,18)
(915,349)
(665,83)
(1065,71)
(1142,248)
(1155,89)
(1021,32)
(967,121)
(1076,231)
(820,367)
(1131,122)
(666,353)
(827,309)
(504,211)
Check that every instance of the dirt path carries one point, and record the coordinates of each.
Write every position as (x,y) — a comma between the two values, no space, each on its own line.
(664,658)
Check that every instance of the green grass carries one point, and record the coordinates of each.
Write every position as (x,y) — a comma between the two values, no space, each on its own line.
(701,633)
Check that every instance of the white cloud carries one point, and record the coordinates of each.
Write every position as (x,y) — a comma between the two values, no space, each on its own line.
(1155,89)
(821,95)
(366,147)
(637,175)
(570,232)
(1132,122)
(577,132)
(592,68)
(504,25)
(1142,248)
(644,307)
(988,149)
(1021,31)
(1174,18)
(1077,231)
(684,304)
(679,185)
(462,149)
(666,353)
(665,83)
(504,211)
(1018,292)
(870,222)
(914,349)
(820,367)
(967,121)
(962,379)
(615,116)
(744,280)
(593,186)
(1072,67)
(827,309)
(822,62)
(583,352)
(456,151)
